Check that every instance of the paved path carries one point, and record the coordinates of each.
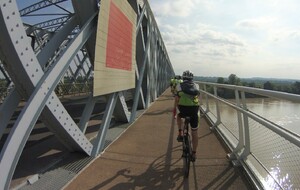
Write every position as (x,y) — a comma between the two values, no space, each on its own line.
(147,156)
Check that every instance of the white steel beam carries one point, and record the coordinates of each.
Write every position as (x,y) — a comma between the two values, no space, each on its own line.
(36,72)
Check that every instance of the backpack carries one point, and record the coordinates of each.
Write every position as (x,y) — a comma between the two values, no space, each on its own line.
(189,88)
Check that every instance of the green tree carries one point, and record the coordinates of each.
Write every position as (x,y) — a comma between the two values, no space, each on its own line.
(268,85)
(296,87)
(252,84)
(233,79)
(221,80)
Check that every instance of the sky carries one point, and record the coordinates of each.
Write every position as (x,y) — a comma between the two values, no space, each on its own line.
(248,38)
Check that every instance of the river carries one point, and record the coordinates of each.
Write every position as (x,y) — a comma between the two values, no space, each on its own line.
(283,113)
(278,156)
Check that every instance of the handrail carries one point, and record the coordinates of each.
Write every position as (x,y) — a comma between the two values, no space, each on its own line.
(246,149)
(293,137)
(258,91)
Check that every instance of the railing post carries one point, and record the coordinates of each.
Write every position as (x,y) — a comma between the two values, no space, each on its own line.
(235,156)
(246,151)
(206,100)
(217,109)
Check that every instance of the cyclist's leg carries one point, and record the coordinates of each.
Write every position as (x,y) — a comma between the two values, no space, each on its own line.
(179,124)
(173,90)
(180,115)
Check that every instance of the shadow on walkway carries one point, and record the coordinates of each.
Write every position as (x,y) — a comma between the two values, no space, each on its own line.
(147,156)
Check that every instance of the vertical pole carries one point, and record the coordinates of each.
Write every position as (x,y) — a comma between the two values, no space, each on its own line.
(206,99)
(246,127)
(236,151)
(217,108)
(139,84)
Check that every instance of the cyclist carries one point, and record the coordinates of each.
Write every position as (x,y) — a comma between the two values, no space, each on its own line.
(172,84)
(188,105)
(174,81)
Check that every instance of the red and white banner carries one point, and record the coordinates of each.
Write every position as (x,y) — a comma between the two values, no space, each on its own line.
(114,68)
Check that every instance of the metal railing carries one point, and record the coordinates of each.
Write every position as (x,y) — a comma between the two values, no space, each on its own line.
(268,152)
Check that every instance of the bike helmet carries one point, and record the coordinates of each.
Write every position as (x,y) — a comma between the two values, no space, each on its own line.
(187,75)
(177,77)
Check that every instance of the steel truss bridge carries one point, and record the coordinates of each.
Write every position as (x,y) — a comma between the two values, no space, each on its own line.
(47,52)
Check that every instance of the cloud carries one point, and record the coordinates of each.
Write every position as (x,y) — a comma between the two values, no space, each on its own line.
(238,37)
(174,8)
(201,48)
(257,23)
(286,35)
(202,41)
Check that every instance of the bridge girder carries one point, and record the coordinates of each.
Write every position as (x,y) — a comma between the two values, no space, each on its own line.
(69,52)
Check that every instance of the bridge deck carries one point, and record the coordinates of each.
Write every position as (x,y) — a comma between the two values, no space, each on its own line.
(147,156)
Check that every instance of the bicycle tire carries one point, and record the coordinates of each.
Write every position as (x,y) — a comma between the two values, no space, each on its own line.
(187,155)
(186,148)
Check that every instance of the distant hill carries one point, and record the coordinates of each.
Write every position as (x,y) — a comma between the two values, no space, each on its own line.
(260,79)
(206,79)
(248,80)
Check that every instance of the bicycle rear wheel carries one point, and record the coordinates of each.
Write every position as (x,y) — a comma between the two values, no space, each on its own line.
(187,152)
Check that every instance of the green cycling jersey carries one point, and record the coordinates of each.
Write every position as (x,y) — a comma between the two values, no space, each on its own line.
(187,99)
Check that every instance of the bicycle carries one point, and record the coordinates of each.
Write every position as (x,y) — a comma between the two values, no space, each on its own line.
(187,150)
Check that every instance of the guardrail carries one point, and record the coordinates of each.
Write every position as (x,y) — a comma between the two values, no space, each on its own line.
(268,152)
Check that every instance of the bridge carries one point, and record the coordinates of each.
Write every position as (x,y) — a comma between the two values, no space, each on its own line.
(69,98)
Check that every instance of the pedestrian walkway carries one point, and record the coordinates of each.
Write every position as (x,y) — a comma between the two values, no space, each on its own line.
(147,156)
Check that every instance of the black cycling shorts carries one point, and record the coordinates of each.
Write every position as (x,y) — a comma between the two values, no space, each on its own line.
(190,111)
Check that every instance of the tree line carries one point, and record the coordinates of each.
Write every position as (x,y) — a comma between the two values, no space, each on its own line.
(282,85)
